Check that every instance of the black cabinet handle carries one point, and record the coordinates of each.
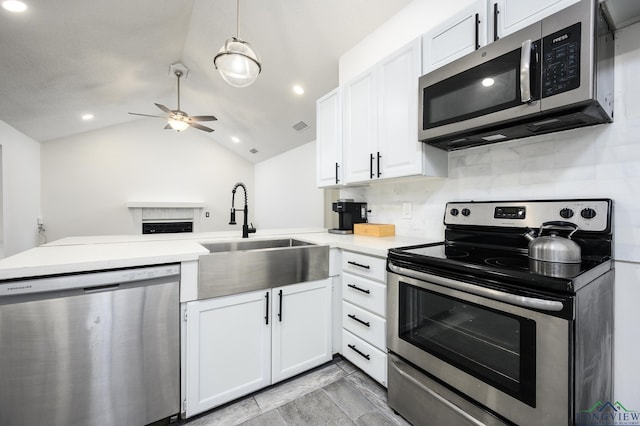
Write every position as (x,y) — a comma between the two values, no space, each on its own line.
(266,317)
(355,318)
(280,309)
(350,262)
(477,31)
(496,12)
(379,172)
(358,288)
(337,180)
(370,166)
(353,347)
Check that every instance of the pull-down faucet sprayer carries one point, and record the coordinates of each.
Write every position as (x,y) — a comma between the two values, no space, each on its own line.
(246,230)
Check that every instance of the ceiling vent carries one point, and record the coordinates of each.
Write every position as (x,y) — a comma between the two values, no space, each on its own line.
(300,126)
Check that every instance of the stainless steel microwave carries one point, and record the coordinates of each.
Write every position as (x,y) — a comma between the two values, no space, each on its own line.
(554,75)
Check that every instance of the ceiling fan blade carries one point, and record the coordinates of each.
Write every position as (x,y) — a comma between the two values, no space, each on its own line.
(147,115)
(203,118)
(200,127)
(164,108)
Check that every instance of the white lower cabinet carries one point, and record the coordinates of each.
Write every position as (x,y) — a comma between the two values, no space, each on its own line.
(367,357)
(364,324)
(228,349)
(238,344)
(301,328)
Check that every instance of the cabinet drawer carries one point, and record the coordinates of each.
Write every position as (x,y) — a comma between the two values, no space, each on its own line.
(367,266)
(366,357)
(365,325)
(365,293)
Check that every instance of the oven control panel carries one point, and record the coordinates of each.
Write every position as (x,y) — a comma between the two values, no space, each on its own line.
(589,215)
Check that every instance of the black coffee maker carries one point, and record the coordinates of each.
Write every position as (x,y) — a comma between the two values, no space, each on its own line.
(349,213)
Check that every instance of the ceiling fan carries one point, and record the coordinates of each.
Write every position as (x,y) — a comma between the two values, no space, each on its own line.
(177,119)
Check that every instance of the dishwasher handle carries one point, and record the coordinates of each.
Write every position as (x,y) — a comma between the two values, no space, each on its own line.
(102,288)
(88,281)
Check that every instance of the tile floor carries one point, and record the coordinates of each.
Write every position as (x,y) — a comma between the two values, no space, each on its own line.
(336,393)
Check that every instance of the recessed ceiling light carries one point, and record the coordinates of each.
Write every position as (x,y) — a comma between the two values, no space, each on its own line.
(298,90)
(14,5)
(87,117)
(235,139)
(488,82)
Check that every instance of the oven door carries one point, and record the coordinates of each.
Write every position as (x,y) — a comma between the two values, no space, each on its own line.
(494,84)
(502,350)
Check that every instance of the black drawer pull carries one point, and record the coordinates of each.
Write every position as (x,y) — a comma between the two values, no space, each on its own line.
(355,318)
(358,288)
(358,265)
(353,347)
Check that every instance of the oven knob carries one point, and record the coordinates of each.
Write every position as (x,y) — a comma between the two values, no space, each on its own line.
(466,212)
(454,212)
(588,213)
(566,213)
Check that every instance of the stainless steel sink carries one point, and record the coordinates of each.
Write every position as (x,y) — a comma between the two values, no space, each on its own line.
(247,265)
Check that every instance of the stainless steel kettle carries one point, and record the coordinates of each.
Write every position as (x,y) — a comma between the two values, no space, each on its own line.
(552,247)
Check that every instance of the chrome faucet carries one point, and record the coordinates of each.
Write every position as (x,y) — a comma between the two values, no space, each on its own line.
(246,230)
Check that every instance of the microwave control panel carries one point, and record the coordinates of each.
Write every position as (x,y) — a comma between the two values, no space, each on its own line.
(561,61)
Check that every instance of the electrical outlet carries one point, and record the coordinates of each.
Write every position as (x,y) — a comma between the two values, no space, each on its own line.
(406,210)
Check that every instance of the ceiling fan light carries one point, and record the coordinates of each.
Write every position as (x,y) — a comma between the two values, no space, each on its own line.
(237,62)
(177,124)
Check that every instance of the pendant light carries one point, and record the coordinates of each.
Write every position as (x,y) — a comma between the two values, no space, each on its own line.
(237,62)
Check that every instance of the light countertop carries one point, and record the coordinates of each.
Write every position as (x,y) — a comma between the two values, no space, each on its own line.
(81,254)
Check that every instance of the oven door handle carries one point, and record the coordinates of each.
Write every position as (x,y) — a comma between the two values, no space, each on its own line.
(525,302)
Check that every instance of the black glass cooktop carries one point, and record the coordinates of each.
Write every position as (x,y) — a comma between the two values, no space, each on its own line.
(505,265)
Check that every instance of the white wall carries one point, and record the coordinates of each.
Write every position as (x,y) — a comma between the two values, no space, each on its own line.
(87,179)
(20,191)
(601,161)
(286,194)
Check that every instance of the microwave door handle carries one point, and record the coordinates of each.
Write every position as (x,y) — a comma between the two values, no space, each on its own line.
(525,72)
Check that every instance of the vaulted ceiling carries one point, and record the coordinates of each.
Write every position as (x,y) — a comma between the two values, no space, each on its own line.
(62,59)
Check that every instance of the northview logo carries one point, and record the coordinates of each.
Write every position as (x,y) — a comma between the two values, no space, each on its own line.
(606,413)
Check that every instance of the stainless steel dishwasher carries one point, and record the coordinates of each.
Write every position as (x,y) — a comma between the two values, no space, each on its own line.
(98,348)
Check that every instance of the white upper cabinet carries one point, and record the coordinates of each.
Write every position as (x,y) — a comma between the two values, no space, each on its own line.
(360,112)
(509,16)
(485,21)
(329,139)
(399,151)
(462,34)
(380,122)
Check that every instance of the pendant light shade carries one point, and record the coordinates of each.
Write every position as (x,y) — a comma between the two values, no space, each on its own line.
(237,62)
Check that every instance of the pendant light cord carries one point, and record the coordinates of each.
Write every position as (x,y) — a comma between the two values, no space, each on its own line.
(238,19)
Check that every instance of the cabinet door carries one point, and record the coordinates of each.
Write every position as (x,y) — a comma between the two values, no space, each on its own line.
(329,139)
(359,127)
(301,328)
(509,16)
(400,150)
(228,349)
(462,34)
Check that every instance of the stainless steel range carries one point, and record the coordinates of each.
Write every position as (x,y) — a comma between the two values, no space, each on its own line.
(482,330)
